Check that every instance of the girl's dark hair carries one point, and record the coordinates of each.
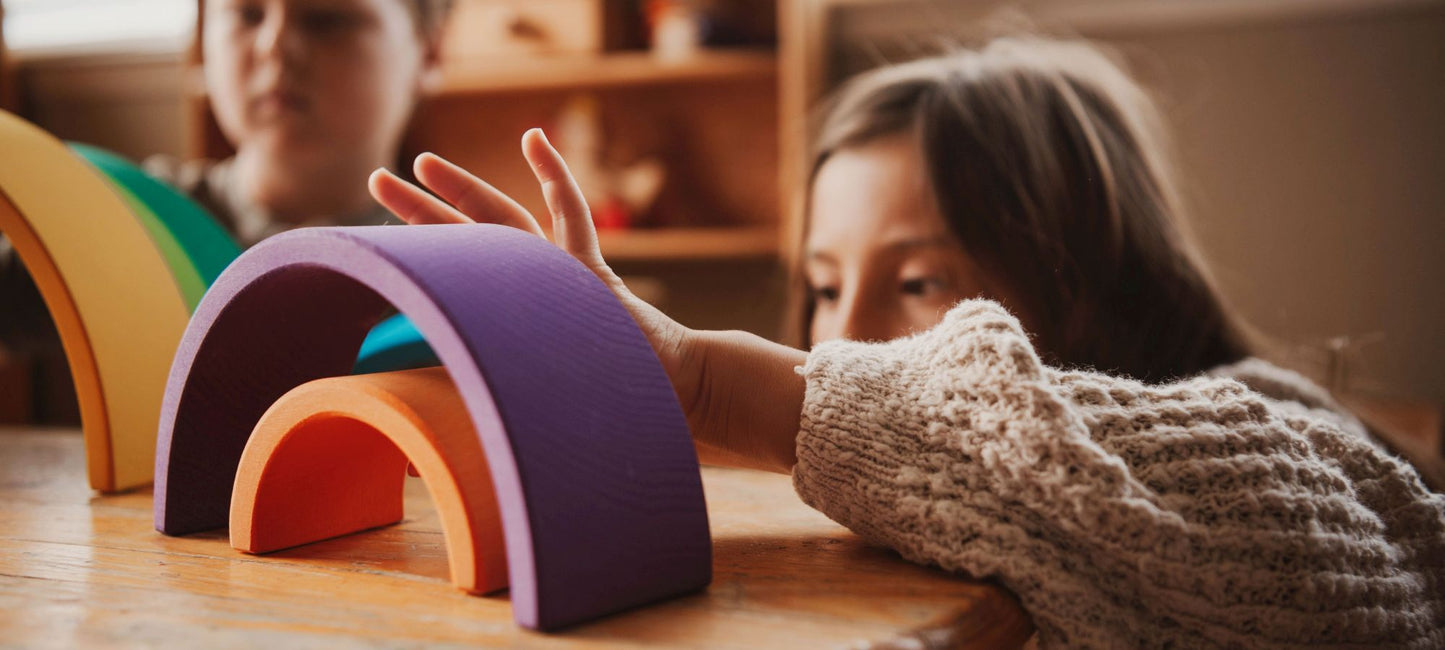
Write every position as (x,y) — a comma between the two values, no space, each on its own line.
(1046,163)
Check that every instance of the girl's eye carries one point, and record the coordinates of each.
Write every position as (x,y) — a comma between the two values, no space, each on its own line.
(920,286)
(327,22)
(251,15)
(823,294)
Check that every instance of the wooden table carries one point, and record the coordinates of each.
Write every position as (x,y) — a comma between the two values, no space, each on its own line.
(82,570)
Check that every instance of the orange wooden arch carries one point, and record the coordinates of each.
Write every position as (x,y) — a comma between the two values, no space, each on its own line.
(329,458)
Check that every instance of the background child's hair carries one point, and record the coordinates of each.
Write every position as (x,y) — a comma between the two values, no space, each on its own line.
(430,16)
(1046,163)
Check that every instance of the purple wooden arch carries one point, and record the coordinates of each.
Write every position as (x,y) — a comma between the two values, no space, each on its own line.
(595,473)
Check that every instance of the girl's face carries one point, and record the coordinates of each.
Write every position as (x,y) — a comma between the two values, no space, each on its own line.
(303,80)
(879,259)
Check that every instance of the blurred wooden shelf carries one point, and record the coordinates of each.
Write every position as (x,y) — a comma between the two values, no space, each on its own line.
(677,244)
(608,70)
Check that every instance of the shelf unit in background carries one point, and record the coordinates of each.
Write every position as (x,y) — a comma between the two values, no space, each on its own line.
(689,244)
(612,70)
(712,242)
(711,118)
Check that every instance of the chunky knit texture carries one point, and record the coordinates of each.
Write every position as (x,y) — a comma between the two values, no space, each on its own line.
(1237,509)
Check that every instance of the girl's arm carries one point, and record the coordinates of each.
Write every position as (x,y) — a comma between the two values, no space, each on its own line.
(1195,513)
(740,392)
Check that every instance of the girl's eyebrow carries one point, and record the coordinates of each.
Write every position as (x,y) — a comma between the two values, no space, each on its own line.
(825,257)
(935,241)
(894,247)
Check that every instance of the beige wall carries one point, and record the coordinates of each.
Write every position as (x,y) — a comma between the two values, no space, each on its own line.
(1316,160)
(1313,150)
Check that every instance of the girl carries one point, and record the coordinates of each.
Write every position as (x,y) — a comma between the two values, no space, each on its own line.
(955,204)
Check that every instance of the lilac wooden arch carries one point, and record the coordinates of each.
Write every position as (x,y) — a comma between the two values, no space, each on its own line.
(595,473)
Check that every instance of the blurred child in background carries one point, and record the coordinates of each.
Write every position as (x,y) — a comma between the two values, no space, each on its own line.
(313,95)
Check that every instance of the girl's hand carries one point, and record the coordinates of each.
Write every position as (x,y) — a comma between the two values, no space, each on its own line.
(739,393)
(473,200)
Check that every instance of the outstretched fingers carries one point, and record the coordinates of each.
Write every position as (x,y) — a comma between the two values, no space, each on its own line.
(410,202)
(571,220)
(464,198)
(472,196)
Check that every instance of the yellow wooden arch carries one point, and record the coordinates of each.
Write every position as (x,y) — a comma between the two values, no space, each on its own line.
(114,299)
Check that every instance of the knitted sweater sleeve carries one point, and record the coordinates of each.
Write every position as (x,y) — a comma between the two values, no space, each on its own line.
(1198,513)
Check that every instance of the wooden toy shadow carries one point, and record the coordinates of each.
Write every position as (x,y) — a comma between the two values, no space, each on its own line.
(596,480)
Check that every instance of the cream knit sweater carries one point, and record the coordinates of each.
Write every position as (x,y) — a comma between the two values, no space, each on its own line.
(1239,509)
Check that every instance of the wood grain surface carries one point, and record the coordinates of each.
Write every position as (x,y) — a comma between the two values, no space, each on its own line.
(82,570)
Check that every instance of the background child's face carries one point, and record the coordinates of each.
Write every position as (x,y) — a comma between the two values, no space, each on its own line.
(307,80)
(879,259)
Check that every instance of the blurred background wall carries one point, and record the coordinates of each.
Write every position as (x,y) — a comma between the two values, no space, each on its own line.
(1309,135)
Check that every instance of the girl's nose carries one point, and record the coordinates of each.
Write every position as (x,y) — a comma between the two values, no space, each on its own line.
(861,322)
(279,38)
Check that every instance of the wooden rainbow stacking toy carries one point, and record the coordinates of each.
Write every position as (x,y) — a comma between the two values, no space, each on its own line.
(121,260)
(590,472)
